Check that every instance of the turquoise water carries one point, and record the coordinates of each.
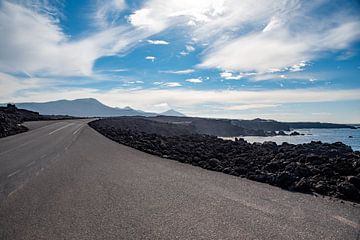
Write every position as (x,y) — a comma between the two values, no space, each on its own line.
(323,135)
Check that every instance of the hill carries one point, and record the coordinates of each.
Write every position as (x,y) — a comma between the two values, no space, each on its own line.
(172,113)
(87,107)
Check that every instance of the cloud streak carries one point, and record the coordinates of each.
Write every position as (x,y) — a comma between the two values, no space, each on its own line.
(180,72)
(243,36)
(158,42)
(194,80)
(35,43)
(240,36)
(151,58)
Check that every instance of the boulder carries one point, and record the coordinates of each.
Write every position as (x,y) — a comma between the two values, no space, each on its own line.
(355,181)
(348,190)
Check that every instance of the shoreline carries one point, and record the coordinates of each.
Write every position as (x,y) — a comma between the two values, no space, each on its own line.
(326,169)
(350,137)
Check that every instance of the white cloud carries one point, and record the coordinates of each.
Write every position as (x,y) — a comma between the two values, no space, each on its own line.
(134,82)
(157,15)
(108,12)
(185,71)
(298,67)
(172,84)
(161,107)
(35,43)
(151,58)
(257,52)
(239,36)
(189,48)
(230,76)
(10,86)
(184,53)
(250,106)
(208,17)
(245,37)
(274,23)
(184,97)
(167,84)
(194,80)
(114,70)
(50,8)
(158,42)
(144,19)
(290,75)
(158,83)
(280,47)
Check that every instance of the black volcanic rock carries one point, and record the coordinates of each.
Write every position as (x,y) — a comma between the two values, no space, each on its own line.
(296,125)
(11,119)
(348,190)
(354,180)
(235,128)
(327,169)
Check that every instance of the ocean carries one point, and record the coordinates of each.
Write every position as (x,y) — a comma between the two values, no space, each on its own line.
(315,134)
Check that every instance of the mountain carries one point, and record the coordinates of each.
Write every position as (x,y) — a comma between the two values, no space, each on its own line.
(87,107)
(172,113)
(128,108)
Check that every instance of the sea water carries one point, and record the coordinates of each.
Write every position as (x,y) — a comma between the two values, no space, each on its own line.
(350,137)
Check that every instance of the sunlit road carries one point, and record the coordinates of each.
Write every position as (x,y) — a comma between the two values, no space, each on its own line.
(63,180)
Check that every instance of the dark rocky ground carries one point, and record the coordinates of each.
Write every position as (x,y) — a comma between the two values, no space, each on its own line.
(11,119)
(235,127)
(327,169)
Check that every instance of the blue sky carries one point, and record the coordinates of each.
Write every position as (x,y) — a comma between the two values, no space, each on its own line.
(286,60)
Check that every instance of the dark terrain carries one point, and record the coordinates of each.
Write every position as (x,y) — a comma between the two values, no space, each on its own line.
(11,119)
(64,180)
(234,128)
(327,169)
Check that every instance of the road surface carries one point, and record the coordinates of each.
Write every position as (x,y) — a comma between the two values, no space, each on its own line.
(63,180)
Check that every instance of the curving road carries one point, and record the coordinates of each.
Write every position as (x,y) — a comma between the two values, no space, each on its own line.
(63,180)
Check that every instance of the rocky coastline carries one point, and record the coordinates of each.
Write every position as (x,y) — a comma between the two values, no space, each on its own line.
(326,169)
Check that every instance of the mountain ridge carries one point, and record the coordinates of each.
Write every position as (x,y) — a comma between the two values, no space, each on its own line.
(87,107)
(91,107)
(172,113)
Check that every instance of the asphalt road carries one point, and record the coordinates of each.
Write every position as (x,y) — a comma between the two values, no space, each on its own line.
(63,180)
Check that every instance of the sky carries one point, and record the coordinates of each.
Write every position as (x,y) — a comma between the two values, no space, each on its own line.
(287,60)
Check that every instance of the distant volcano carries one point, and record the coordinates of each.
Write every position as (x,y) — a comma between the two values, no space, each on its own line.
(173,113)
(86,107)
